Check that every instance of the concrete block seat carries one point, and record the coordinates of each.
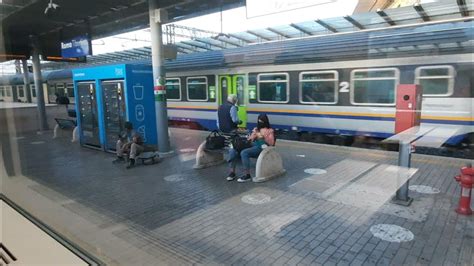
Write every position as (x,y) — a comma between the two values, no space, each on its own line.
(269,163)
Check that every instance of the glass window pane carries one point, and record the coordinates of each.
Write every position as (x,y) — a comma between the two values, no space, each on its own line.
(2,91)
(60,89)
(173,89)
(33,91)
(321,91)
(9,91)
(197,91)
(21,92)
(434,72)
(434,86)
(240,90)
(375,74)
(196,80)
(272,91)
(316,76)
(70,90)
(272,77)
(374,91)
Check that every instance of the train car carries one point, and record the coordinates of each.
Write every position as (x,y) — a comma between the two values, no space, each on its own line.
(12,88)
(60,83)
(340,84)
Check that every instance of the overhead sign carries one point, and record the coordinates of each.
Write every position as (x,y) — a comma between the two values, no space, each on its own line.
(76,47)
(82,59)
(256,8)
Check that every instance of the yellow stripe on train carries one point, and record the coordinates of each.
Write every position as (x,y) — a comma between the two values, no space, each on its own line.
(429,117)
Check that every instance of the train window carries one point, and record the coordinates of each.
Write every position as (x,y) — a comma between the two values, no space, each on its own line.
(374,86)
(21,92)
(8,90)
(319,87)
(173,89)
(70,90)
(197,88)
(273,87)
(240,83)
(60,89)
(435,80)
(33,91)
(2,91)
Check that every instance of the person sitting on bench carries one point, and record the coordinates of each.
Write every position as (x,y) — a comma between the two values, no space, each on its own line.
(263,135)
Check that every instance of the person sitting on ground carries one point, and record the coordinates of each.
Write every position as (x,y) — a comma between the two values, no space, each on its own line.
(227,118)
(136,148)
(262,136)
(124,142)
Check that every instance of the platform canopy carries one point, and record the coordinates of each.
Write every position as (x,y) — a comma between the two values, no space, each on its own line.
(433,13)
(22,18)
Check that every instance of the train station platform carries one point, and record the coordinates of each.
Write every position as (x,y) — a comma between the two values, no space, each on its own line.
(25,116)
(331,207)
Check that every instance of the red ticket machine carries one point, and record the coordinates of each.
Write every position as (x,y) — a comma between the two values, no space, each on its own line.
(408,112)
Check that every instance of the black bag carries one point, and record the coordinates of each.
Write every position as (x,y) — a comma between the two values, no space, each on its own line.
(240,143)
(215,141)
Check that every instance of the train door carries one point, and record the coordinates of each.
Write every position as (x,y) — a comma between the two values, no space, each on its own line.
(114,111)
(21,93)
(235,84)
(8,94)
(89,119)
(33,93)
(70,92)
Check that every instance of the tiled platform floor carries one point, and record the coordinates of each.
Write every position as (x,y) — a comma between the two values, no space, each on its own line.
(169,213)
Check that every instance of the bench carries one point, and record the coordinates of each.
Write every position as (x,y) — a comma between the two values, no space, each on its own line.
(269,163)
(65,123)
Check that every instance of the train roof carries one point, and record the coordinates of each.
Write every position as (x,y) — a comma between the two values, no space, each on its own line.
(445,38)
(17,79)
(416,40)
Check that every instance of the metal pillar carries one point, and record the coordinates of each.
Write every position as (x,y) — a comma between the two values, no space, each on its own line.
(43,123)
(26,80)
(404,159)
(157,17)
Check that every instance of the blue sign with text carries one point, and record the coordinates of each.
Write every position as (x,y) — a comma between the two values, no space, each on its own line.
(76,47)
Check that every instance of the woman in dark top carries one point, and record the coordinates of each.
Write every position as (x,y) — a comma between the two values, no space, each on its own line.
(261,137)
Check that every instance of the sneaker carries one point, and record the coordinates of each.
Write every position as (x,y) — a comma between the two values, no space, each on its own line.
(231,177)
(244,178)
(119,160)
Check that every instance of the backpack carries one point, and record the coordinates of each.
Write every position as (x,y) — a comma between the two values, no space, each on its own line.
(215,141)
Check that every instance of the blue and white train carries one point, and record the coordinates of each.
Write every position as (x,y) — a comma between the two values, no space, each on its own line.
(339,84)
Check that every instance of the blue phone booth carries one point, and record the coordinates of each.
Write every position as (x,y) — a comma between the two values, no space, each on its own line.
(107,97)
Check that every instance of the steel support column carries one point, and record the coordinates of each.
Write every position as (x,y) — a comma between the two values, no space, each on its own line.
(26,80)
(157,59)
(43,123)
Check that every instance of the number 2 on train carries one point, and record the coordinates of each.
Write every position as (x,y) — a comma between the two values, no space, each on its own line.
(344,86)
